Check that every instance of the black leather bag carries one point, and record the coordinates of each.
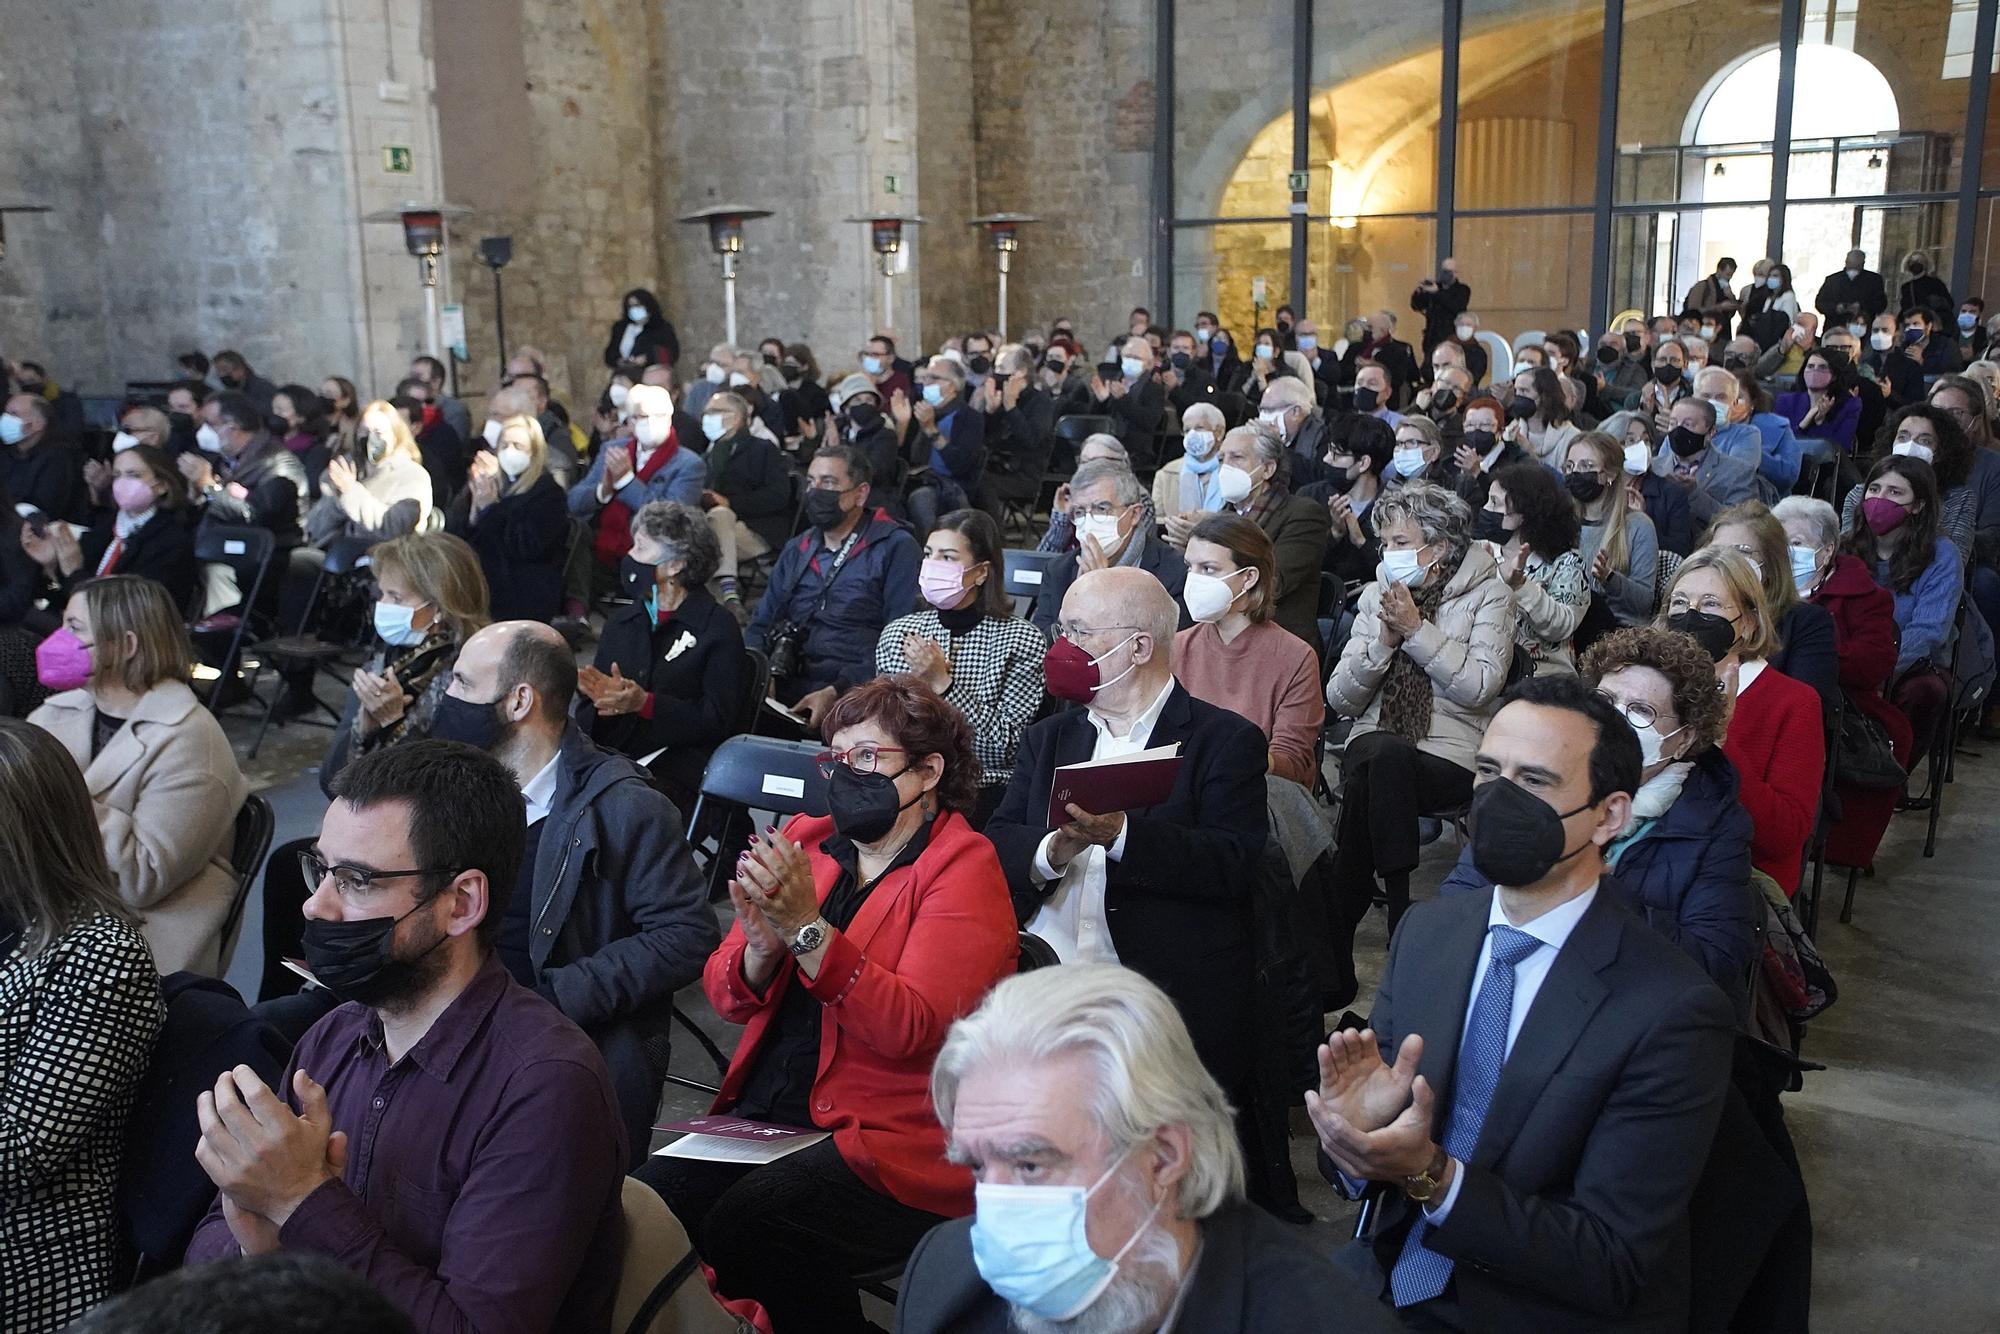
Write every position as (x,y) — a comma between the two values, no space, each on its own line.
(1866,758)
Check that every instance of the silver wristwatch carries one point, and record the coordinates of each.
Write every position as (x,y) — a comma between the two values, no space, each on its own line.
(810,937)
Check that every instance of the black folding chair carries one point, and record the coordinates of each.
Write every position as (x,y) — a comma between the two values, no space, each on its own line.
(1023,574)
(305,650)
(247,552)
(254,825)
(1823,827)
(1070,431)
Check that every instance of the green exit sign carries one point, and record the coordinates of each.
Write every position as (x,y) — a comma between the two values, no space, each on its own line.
(1298,182)
(890,185)
(396,159)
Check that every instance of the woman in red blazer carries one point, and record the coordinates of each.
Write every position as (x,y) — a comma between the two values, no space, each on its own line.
(1864,633)
(858,940)
(1777,731)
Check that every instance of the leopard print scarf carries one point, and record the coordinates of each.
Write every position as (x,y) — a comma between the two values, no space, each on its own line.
(1406,689)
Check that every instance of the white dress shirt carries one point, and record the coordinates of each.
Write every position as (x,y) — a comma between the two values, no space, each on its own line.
(540,791)
(1071,919)
(1553,929)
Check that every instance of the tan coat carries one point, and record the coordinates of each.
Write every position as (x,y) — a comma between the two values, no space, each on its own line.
(1466,651)
(167,789)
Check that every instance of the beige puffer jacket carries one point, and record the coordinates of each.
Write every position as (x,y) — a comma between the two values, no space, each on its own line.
(1466,649)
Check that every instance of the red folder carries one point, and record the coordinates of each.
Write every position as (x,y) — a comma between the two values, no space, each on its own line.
(1125,783)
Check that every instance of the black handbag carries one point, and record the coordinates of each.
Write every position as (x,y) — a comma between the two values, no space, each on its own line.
(1866,758)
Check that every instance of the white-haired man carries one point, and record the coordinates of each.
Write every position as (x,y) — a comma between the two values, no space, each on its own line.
(1109,1184)
(1108,514)
(657,463)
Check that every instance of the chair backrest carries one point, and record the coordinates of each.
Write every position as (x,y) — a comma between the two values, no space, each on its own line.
(767,774)
(1528,338)
(757,670)
(660,1287)
(254,825)
(1499,356)
(1077,426)
(1023,572)
(1035,953)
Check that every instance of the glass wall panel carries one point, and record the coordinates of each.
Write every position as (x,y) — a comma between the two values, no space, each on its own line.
(1373,265)
(1232,108)
(1241,271)
(1527,104)
(1984,279)
(1527,272)
(1651,249)
(1376,71)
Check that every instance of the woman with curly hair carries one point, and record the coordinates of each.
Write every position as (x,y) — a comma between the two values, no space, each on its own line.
(859,937)
(1683,863)
(1531,524)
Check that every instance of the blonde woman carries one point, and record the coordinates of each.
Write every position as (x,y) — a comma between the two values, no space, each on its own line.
(1774,735)
(513,513)
(1619,547)
(383,494)
(162,779)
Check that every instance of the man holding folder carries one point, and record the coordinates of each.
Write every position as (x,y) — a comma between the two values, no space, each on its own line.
(1161,887)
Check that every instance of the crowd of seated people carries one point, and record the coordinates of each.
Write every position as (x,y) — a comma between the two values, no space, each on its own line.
(1619,591)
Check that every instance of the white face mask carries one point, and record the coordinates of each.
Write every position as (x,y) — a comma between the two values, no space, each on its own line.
(1233,484)
(1103,527)
(1208,597)
(1637,459)
(1912,449)
(1464,332)
(713,425)
(491,433)
(514,460)
(1407,462)
(1198,443)
(737,379)
(207,438)
(123,441)
(1881,341)
(1402,567)
(619,393)
(636,314)
(650,432)
(1652,744)
(1275,419)
(714,374)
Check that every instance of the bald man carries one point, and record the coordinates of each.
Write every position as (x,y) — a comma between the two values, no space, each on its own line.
(610,917)
(1163,889)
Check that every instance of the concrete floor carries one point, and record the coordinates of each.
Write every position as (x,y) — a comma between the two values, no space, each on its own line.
(1899,1136)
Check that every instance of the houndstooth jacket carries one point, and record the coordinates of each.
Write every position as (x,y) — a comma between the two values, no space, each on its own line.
(77,1026)
(996,679)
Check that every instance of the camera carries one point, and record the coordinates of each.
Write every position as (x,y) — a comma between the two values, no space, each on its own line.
(784,646)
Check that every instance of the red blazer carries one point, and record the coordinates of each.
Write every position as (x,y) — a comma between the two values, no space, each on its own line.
(1777,740)
(924,949)
(1864,632)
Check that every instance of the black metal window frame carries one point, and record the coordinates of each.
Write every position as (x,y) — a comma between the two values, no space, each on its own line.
(1603,208)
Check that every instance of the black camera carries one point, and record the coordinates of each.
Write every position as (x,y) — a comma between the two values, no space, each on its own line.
(785,646)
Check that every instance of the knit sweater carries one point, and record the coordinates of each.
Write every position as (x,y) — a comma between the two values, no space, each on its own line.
(1778,743)
(1269,676)
(996,678)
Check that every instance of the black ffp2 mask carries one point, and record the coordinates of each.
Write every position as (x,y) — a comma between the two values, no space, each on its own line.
(1517,838)
(864,806)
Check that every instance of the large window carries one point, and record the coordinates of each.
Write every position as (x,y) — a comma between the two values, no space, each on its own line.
(1573,171)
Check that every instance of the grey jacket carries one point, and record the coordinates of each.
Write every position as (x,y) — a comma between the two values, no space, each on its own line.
(620,918)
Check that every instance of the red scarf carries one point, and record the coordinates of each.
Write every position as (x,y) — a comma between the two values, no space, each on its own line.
(614,521)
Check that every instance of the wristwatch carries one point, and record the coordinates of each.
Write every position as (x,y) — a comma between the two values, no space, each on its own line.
(1421,1187)
(810,937)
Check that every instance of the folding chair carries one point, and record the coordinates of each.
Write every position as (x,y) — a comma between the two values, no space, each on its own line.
(1072,430)
(1816,850)
(247,551)
(254,825)
(1022,574)
(305,649)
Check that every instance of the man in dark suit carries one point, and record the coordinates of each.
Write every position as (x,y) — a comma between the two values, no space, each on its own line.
(1021,1087)
(1544,1074)
(1108,509)
(1854,293)
(1163,889)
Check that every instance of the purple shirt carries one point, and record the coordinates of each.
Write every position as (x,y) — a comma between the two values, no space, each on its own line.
(483,1169)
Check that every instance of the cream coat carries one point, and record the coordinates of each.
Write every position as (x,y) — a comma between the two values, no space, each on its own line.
(167,788)
(1466,651)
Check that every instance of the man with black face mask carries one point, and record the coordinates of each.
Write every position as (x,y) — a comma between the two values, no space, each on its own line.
(1585,1057)
(447,1134)
(1712,480)
(609,916)
(235,373)
(834,587)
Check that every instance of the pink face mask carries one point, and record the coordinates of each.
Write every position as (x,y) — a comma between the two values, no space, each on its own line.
(132,495)
(1818,379)
(62,661)
(941,582)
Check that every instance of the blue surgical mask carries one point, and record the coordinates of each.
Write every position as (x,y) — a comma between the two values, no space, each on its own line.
(1308,342)
(1032,1246)
(1967,320)
(873,365)
(1407,462)
(12,428)
(392,623)
(1402,567)
(1773,282)
(933,394)
(1132,367)
(1805,567)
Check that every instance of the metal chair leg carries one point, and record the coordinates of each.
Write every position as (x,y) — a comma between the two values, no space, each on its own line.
(1847,904)
(1940,774)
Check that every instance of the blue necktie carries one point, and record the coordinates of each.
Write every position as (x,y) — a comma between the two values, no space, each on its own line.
(1421,1273)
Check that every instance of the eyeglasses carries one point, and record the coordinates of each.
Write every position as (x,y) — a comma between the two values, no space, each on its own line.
(863,759)
(1075,630)
(1103,509)
(827,484)
(1711,604)
(356,880)
(1581,470)
(1637,712)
